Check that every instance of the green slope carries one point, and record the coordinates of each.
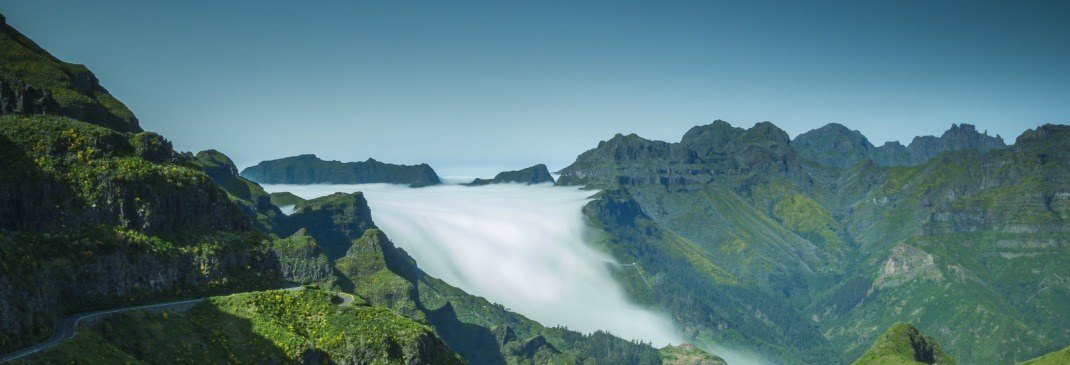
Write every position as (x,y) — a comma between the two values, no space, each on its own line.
(903,344)
(305,326)
(1055,358)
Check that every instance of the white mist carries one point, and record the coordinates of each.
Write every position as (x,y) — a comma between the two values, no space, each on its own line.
(517,245)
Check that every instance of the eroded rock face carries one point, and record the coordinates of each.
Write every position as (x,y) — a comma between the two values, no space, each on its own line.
(21,99)
(904,264)
(632,160)
(301,260)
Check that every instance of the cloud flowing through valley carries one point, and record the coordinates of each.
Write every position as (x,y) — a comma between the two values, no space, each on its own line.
(521,246)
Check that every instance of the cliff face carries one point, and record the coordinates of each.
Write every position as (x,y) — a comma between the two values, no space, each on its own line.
(248,195)
(537,174)
(95,213)
(309,169)
(92,217)
(334,221)
(632,160)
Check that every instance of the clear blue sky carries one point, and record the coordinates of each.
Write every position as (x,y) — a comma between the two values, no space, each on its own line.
(476,86)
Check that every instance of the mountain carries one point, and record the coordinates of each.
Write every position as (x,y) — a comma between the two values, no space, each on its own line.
(93,217)
(96,214)
(904,344)
(834,145)
(803,248)
(537,174)
(309,169)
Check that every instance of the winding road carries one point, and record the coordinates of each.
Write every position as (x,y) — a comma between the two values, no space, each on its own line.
(68,326)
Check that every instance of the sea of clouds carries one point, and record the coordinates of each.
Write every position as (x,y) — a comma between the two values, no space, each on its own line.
(518,245)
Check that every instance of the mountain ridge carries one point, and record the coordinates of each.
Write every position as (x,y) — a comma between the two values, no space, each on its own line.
(978,218)
(309,169)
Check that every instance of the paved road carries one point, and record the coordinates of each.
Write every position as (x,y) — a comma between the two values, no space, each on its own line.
(68,326)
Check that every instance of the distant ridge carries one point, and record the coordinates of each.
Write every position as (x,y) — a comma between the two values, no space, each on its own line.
(537,174)
(309,169)
(838,146)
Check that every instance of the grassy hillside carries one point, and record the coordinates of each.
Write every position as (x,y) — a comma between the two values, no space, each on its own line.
(903,344)
(1054,358)
(307,326)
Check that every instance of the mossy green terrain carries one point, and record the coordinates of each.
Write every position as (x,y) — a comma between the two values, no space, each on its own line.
(300,326)
(1055,358)
(903,344)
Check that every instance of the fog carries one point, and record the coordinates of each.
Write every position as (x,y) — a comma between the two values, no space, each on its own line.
(518,245)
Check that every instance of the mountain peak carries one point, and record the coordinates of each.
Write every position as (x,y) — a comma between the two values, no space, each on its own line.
(833,145)
(905,344)
(1047,133)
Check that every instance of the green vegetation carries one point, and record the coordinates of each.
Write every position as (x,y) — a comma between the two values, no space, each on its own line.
(903,344)
(309,169)
(1060,357)
(95,217)
(285,198)
(808,248)
(254,328)
(252,198)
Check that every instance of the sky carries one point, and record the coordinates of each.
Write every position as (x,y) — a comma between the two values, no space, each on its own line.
(474,87)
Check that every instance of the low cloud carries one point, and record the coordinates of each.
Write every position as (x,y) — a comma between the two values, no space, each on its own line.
(518,245)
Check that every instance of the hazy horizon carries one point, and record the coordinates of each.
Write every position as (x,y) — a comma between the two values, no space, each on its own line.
(496,86)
